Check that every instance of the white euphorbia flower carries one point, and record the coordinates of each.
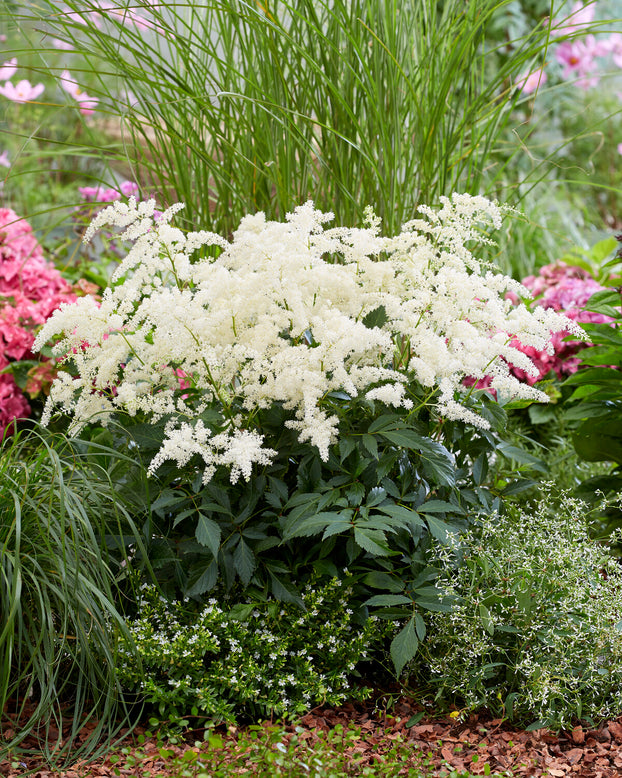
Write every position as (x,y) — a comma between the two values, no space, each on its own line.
(277,315)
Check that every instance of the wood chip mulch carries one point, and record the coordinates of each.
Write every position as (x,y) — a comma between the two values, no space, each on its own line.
(478,744)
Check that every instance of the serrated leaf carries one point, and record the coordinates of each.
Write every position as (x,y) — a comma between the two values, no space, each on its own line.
(370,444)
(375,496)
(244,561)
(420,626)
(356,493)
(382,422)
(439,506)
(208,534)
(241,611)
(346,447)
(379,580)
(438,529)
(404,646)
(336,529)
(373,541)
(314,525)
(284,591)
(167,499)
(403,515)
(388,600)
(203,582)
(375,318)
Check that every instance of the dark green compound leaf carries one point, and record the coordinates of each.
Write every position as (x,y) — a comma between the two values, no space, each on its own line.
(437,461)
(202,581)
(284,591)
(317,524)
(244,561)
(373,541)
(208,534)
(379,580)
(388,600)
(404,646)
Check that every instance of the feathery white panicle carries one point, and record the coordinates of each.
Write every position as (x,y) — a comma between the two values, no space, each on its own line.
(277,315)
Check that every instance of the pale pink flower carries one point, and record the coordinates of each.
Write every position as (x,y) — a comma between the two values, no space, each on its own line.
(123,14)
(62,45)
(529,82)
(4,159)
(99,194)
(574,56)
(8,69)
(616,48)
(619,148)
(22,92)
(580,17)
(103,194)
(69,84)
(128,188)
(87,104)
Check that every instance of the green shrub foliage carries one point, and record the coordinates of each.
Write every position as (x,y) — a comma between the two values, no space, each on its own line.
(256,657)
(535,629)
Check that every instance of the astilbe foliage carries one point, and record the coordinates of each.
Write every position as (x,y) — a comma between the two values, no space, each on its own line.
(30,289)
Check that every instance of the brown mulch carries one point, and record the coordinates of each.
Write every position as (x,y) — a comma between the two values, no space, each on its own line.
(477,744)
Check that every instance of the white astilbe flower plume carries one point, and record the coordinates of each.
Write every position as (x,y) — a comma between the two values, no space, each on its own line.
(279,315)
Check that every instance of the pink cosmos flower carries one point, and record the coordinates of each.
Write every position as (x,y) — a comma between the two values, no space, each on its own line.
(531,81)
(86,103)
(615,43)
(4,159)
(576,22)
(574,56)
(23,92)
(619,148)
(577,57)
(62,45)
(8,69)
(123,14)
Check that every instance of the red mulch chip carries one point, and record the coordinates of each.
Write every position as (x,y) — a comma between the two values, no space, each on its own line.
(478,744)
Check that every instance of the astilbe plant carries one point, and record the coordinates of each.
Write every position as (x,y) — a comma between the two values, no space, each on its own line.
(303,382)
(30,289)
(288,313)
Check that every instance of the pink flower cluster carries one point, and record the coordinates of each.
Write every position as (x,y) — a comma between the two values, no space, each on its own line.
(578,53)
(105,194)
(566,289)
(30,289)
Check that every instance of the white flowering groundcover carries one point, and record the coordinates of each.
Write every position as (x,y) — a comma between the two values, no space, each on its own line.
(289,313)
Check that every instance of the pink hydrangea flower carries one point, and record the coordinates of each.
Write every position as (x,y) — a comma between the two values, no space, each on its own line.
(566,289)
(31,288)
(22,92)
